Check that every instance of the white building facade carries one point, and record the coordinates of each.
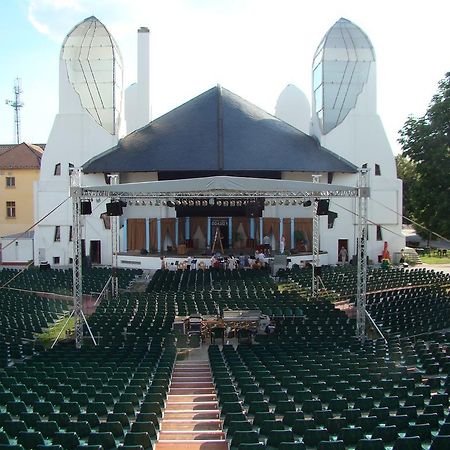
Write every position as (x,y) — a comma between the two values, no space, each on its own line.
(341,133)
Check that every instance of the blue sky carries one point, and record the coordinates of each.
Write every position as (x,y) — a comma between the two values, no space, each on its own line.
(252,47)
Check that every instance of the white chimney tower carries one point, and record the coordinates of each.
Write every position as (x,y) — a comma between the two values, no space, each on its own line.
(137,96)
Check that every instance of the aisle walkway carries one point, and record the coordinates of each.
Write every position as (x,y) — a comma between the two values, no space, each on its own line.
(191,417)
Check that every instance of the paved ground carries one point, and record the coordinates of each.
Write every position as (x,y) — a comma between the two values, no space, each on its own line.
(437,267)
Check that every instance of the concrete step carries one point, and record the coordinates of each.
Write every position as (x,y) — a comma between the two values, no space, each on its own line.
(191,445)
(191,425)
(191,391)
(193,379)
(191,415)
(192,398)
(191,384)
(191,406)
(191,435)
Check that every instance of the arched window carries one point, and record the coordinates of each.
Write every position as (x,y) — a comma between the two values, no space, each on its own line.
(57,169)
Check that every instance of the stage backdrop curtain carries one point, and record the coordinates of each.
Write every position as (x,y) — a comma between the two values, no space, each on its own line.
(153,236)
(287,233)
(305,226)
(202,224)
(136,234)
(241,223)
(181,236)
(271,226)
(168,229)
(257,228)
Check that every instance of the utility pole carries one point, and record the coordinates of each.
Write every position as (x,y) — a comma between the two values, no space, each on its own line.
(16,104)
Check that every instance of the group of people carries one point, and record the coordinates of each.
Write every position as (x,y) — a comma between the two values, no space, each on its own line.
(217,261)
(258,261)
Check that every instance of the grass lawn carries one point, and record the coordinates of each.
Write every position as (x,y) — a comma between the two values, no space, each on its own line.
(434,260)
(49,336)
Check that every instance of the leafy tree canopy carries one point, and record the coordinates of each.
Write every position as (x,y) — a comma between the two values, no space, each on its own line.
(426,143)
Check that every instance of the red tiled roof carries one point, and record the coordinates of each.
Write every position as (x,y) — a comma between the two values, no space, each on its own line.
(21,156)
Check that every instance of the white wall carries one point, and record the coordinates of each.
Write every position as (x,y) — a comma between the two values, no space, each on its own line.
(19,251)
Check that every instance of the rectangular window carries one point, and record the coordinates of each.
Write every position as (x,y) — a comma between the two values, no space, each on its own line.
(10,182)
(57,237)
(10,209)
(379,233)
(377,170)
(70,233)
(56,260)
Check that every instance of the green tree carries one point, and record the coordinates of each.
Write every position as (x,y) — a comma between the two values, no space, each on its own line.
(426,142)
(406,171)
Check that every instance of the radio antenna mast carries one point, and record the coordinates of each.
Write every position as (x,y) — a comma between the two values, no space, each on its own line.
(17,104)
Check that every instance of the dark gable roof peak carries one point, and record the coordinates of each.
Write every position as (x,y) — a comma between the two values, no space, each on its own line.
(218,131)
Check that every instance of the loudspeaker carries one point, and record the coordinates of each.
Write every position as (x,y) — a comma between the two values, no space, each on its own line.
(114,209)
(322,207)
(86,207)
(331,218)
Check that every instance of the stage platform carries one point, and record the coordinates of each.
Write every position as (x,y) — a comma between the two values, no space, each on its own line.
(152,262)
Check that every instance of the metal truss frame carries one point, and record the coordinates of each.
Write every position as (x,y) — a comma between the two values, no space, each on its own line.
(361,242)
(115,226)
(80,319)
(316,242)
(362,193)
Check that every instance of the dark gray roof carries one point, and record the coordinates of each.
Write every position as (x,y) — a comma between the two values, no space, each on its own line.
(218,131)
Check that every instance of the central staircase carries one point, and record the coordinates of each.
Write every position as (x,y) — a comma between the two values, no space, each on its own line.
(192,417)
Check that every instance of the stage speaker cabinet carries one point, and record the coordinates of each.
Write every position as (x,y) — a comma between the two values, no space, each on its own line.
(322,207)
(114,209)
(86,207)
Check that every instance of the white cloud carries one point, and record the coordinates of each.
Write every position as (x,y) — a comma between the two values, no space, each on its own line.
(53,17)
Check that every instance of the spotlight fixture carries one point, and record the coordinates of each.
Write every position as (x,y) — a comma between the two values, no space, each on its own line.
(307,203)
(191,202)
(197,203)
(164,203)
(281,202)
(170,204)
(274,202)
(225,203)
(287,202)
(239,203)
(177,202)
(204,202)
(150,203)
(294,202)
(211,201)
(219,203)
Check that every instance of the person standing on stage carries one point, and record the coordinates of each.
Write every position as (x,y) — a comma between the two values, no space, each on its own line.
(282,244)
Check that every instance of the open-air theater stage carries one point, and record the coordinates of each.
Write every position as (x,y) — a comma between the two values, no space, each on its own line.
(207,188)
(224,208)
